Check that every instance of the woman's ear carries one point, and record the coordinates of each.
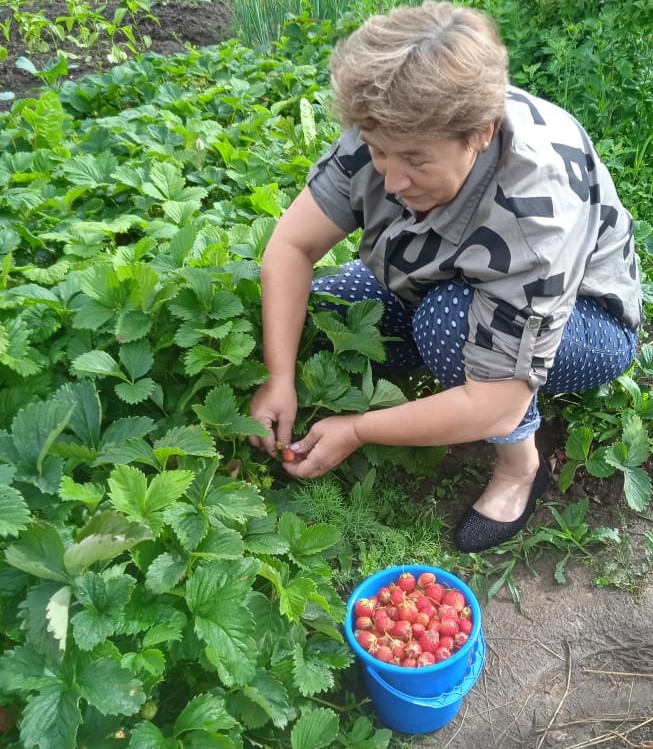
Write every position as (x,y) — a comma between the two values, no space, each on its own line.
(480,141)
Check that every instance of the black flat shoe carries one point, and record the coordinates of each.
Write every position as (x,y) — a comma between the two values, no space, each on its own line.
(477,532)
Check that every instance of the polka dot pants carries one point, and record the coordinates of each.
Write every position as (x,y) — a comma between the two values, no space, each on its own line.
(595,346)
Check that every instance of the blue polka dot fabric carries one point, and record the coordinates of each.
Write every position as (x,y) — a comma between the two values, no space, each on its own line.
(595,346)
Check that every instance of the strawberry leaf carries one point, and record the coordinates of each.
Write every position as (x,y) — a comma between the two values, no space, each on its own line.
(34,430)
(86,417)
(39,552)
(312,675)
(89,494)
(185,440)
(597,465)
(204,713)
(129,493)
(103,598)
(57,615)
(263,700)
(306,541)
(33,613)
(637,488)
(137,358)
(15,351)
(189,524)
(234,500)
(14,512)
(221,543)
(90,169)
(132,325)
(99,363)
(220,411)
(104,537)
(386,394)
(165,573)
(110,688)
(215,595)
(635,437)
(51,719)
(135,392)
(314,729)
(579,443)
(147,736)
(567,474)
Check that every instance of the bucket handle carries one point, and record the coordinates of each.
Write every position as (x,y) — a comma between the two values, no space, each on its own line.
(455,693)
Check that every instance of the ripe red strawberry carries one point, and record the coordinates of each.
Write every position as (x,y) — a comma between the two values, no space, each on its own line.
(435,592)
(402,630)
(422,618)
(419,599)
(413,649)
(398,650)
(425,580)
(429,641)
(366,639)
(418,629)
(446,642)
(364,607)
(392,611)
(408,611)
(364,622)
(288,455)
(459,639)
(384,653)
(409,663)
(426,659)
(455,599)
(441,654)
(434,624)
(448,627)
(407,582)
(465,625)
(448,612)
(382,621)
(429,609)
(383,595)
(397,595)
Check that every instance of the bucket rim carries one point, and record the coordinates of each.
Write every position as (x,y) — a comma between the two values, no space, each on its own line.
(444,699)
(395,570)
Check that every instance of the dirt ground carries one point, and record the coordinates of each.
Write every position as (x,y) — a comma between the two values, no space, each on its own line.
(573,670)
(200,25)
(572,667)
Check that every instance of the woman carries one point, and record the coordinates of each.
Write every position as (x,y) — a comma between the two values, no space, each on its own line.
(493,235)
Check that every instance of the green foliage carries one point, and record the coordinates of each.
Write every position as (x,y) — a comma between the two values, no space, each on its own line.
(609,431)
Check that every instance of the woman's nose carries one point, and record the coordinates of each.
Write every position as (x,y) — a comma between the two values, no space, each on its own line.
(395,179)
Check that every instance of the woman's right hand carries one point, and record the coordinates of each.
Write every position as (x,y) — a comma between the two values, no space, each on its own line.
(274,405)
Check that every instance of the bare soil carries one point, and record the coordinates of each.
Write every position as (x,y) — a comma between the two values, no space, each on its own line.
(173,26)
(572,665)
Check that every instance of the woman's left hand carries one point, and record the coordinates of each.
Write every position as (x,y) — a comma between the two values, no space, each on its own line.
(327,444)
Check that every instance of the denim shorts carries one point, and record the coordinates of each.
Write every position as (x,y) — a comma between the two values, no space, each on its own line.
(596,347)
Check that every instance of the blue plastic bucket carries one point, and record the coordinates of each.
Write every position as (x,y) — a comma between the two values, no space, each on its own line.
(409,714)
(397,691)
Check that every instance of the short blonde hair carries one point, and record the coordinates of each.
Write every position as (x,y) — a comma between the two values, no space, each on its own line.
(436,70)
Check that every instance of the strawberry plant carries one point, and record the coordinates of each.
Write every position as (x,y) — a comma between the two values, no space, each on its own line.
(153,589)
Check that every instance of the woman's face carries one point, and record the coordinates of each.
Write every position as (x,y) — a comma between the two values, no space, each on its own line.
(424,173)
